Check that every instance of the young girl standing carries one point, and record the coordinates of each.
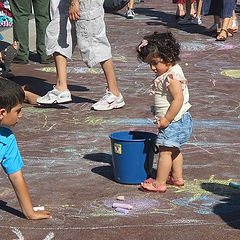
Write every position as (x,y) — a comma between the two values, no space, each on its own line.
(161,52)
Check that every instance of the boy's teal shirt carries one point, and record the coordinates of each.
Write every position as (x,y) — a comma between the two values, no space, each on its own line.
(10,157)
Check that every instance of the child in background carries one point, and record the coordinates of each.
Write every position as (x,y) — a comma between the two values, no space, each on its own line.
(11,99)
(191,17)
(130,12)
(161,52)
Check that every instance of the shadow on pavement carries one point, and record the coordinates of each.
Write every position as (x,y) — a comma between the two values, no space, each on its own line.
(105,171)
(229,208)
(4,207)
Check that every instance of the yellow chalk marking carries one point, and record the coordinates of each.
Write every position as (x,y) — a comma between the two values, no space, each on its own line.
(231,73)
(95,70)
(94,120)
(195,186)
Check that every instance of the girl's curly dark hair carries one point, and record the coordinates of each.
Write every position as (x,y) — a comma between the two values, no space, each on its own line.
(159,45)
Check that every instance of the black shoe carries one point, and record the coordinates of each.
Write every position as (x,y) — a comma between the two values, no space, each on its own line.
(5,74)
(20,61)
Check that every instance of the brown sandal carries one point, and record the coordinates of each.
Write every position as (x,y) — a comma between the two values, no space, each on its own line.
(221,37)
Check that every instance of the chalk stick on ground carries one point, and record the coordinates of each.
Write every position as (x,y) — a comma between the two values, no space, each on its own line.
(38,208)
(234,185)
(120,198)
(122,205)
(121,210)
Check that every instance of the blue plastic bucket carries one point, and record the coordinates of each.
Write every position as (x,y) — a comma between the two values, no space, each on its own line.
(132,155)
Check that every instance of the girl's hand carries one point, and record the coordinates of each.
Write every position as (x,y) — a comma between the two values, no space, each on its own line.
(74,13)
(163,122)
(40,214)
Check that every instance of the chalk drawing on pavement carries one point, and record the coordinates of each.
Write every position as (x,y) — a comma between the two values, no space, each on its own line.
(233,73)
(75,70)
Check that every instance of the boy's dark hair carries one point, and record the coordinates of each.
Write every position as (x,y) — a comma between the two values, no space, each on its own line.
(159,45)
(11,94)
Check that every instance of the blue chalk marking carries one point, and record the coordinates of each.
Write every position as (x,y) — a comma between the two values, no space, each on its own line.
(132,121)
(122,205)
(234,185)
(121,210)
(222,124)
(1,37)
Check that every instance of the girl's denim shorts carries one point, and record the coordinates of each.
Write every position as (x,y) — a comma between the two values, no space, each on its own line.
(176,133)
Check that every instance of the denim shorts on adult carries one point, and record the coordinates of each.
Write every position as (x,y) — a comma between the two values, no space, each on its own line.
(177,133)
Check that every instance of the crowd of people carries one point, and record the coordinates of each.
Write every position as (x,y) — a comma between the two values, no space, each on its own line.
(190,12)
(77,23)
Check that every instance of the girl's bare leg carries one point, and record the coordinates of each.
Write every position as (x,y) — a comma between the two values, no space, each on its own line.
(177,165)
(164,165)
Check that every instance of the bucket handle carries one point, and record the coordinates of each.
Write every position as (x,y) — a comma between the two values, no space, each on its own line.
(155,148)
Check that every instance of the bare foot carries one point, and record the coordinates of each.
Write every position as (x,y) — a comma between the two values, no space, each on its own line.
(30,97)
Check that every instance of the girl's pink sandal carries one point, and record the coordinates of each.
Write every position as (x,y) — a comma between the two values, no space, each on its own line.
(176,182)
(149,180)
(156,188)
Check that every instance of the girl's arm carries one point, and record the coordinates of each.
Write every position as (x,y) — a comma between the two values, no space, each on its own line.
(21,190)
(175,89)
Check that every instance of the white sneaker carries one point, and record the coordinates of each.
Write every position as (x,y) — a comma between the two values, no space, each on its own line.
(55,96)
(197,21)
(108,102)
(130,14)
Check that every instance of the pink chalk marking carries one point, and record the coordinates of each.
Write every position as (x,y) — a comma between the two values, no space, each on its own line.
(213,82)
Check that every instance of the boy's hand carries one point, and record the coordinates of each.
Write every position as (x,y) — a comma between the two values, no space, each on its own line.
(40,214)
(74,13)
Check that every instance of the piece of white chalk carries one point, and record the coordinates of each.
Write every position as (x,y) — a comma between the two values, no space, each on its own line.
(122,205)
(121,210)
(120,198)
(38,208)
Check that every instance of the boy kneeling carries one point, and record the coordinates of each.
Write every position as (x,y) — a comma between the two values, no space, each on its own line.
(11,99)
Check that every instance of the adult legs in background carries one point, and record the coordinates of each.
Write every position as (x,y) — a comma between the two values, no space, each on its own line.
(180,13)
(234,22)
(130,12)
(42,18)
(20,13)
(224,33)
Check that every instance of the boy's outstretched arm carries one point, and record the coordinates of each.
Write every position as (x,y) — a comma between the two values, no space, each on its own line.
(21,190)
